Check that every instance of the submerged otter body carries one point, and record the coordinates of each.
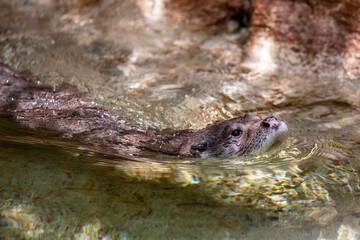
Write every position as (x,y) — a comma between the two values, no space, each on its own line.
(67,112)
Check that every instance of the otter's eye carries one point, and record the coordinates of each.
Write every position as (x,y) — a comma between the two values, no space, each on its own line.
(236,133)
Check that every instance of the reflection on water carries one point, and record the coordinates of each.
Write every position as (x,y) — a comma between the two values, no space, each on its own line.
(54,189)
(161,77)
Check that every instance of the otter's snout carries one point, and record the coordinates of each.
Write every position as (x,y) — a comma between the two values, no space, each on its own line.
(270,122)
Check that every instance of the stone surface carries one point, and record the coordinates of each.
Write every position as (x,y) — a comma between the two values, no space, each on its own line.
(197,14)
(313,43)
(294,53)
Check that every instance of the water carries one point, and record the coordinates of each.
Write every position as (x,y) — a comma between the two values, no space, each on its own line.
(53,189)
(162,77)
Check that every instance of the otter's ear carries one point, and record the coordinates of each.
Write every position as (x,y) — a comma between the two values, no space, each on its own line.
(197,148)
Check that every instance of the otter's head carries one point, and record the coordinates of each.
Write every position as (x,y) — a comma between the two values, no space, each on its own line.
(238,136)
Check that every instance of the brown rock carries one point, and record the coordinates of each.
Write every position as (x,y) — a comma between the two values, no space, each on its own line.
(312,43)
(195,14)
(312,26)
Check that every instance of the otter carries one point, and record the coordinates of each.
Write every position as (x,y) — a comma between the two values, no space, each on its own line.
(237,137)
(68,112)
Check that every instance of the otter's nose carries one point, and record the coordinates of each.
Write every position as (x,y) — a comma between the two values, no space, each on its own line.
(270,122)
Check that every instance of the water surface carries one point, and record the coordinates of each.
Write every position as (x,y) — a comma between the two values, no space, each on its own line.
(164,77)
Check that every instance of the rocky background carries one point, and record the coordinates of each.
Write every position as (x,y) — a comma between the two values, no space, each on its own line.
(191,62)
(315,44)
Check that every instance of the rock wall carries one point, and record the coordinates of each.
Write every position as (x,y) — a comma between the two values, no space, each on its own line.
(314,43)
(200,14)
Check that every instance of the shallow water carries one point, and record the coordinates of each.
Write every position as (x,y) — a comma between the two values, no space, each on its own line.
(51,188)
(162,77)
